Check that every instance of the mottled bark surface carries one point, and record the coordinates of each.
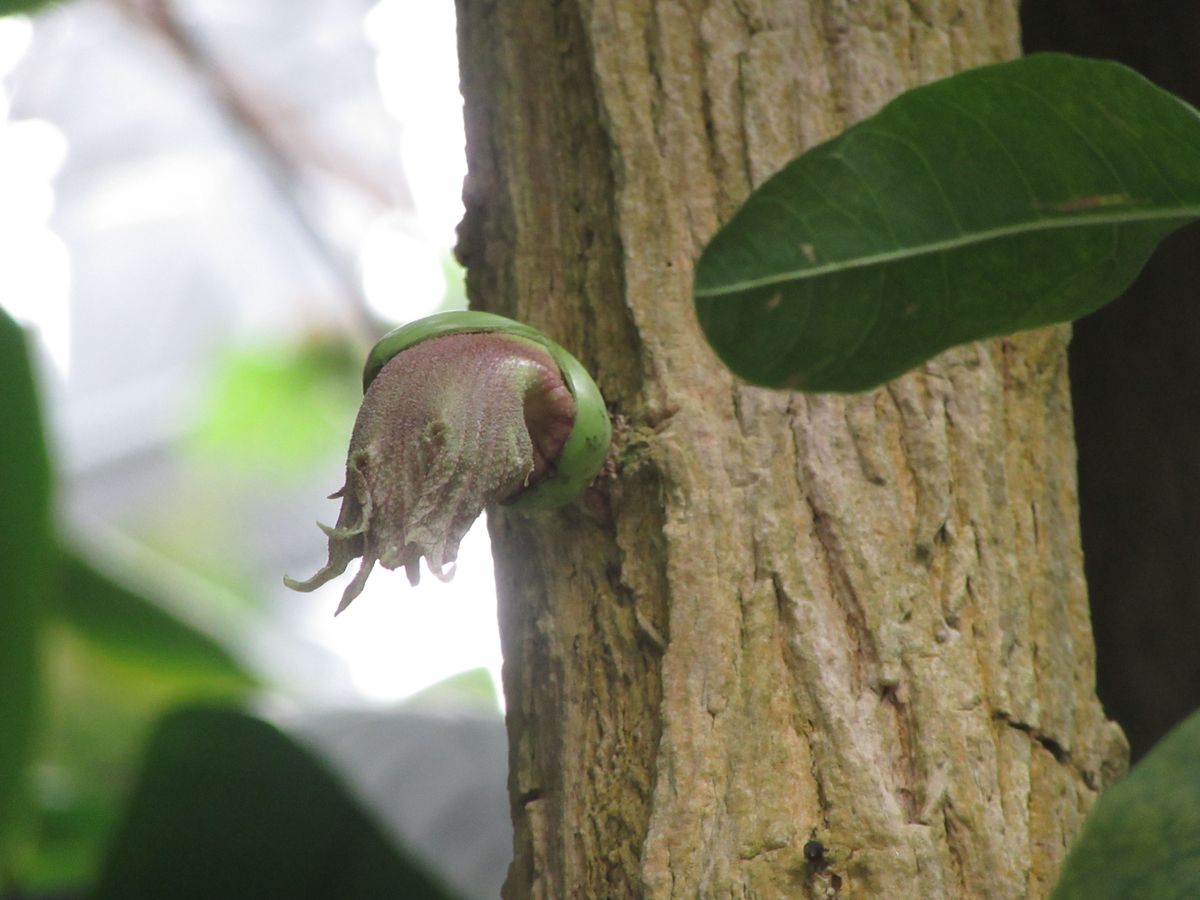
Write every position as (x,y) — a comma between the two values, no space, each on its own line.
(859,621)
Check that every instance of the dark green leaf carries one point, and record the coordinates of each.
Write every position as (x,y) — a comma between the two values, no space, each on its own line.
(25,558)
(228,806)
(1142,839)
(136,631)
(1000,199)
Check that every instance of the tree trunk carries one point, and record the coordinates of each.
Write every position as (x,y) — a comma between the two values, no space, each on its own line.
(795,645)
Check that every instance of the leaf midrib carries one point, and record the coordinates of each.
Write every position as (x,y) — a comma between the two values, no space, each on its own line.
(979,237)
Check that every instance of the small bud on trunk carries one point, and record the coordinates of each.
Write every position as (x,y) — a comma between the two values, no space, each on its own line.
(449,426)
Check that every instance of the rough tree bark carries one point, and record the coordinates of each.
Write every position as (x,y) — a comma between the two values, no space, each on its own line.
(857,622)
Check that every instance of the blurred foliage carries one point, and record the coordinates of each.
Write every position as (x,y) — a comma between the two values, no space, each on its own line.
(456,284)
(280,408)
(114,661)
(99,709)
(199,526)
(26,558)
(469,691)
(104,660)
(14,7)
(139,636)
(228,806)
(1142,839)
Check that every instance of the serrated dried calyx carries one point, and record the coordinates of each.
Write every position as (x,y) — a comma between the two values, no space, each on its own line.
(449,426)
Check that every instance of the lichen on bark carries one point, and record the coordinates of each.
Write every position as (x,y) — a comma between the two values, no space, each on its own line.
(448,427)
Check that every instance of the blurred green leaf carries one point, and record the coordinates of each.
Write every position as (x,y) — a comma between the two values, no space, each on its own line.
(26,546)
(1142,839)
(134,630)
(227,806)
(1002,198)
(470,690)
(456,284)
(102,697)
(114,661)
(281,408)
(14,7)
(93,728)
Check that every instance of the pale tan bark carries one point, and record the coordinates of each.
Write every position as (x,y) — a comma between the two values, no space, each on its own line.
(854,620)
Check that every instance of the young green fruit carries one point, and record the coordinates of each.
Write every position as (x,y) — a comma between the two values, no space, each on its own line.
(460,411)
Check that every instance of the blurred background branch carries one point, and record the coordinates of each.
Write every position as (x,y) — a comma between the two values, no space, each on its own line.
(281,144)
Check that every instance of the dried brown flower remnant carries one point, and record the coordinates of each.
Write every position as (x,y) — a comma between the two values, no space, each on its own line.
(448,426)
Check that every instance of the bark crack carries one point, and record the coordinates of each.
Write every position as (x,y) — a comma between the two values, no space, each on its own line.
(906,792)
(801,725)
(844,592)
(1061,754)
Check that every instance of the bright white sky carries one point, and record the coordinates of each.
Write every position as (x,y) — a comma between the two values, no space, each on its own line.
(35,272)
(395,640)
(417,68)
(398,639)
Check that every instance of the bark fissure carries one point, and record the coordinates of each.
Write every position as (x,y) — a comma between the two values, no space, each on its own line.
(1051,745)
(784,619)
(842,591)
